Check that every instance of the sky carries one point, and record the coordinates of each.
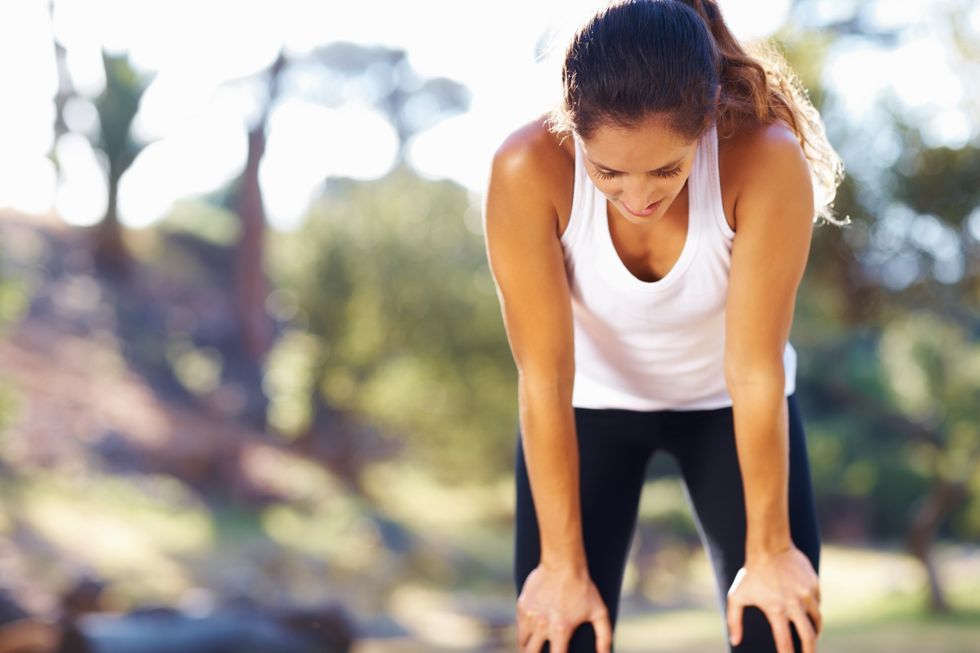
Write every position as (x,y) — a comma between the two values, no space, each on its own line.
(195,121)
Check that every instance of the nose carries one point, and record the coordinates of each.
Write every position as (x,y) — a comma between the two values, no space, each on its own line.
(637,196)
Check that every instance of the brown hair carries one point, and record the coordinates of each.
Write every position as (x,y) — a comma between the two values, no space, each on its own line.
(678,59)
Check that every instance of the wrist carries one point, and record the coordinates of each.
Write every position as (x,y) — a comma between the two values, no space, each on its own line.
(568,564)
(766,548)
(771,542)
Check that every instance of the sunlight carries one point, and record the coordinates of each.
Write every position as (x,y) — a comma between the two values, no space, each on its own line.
(202,154)
(846,70)
(352,141)
(82,192)
(202,122)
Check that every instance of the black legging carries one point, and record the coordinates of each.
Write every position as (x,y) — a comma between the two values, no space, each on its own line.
(615,446)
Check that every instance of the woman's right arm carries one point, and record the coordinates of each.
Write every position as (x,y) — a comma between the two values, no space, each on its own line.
(527,264)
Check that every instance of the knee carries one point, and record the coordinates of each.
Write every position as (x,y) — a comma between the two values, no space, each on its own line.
(583,640)
(757,635)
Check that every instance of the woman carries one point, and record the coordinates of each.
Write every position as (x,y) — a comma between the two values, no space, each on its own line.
(647,239)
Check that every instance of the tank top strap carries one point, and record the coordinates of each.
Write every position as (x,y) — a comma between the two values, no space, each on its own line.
(710,205)
(582,196)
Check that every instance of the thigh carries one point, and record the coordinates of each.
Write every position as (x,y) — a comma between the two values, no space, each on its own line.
(612,467)
(707,455)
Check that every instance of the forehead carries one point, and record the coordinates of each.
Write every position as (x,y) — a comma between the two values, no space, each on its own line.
(648,146)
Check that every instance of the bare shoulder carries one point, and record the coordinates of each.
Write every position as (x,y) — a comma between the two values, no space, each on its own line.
(770,152)
(763,159)
(532,148)
(538,166)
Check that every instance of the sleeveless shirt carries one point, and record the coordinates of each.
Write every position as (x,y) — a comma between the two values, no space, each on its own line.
(652,345)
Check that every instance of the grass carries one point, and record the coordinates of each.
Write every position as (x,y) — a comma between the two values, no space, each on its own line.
(873,600)
(157,539)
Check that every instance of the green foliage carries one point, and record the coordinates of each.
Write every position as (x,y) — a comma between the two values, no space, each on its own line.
(21,257)
(197,368)
(117,106)
(290,380)
(888,368)
(933,368)
(853,460)
(940,180)
(888,411)
(8,409)
(204,220)
(402,322)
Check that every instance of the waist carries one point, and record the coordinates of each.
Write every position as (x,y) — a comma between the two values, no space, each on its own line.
(688,381)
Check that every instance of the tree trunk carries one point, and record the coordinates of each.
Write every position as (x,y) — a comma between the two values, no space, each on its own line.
(110,248)
(932,510)
(251,286)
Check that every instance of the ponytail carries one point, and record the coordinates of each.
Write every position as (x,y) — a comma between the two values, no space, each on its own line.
(759,86)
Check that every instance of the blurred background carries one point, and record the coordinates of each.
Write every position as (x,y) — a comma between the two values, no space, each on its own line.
(255,391)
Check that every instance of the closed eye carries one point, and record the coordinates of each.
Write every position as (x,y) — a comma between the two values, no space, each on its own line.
(665,173)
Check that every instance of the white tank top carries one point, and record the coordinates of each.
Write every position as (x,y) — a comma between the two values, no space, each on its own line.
(652,345)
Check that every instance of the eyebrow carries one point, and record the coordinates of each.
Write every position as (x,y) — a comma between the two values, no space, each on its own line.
(665,167)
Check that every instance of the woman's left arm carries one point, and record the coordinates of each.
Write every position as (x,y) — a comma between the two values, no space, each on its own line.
(774,220)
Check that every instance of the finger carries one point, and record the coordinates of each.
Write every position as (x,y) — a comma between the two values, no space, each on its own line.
(559,637)
(536,642)
(525,628)
(805,630)
(531,622)
(811,606)
(780,632)
(734,617)
(522,614)
(813,610)
(603,632)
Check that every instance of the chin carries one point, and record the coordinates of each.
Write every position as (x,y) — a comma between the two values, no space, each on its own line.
(641,220)
(663,204)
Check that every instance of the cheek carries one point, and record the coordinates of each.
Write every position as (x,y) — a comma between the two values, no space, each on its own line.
(676,186)
(672,187)
(606,186)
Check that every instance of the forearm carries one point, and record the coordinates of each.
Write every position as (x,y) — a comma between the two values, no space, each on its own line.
(762,440)
(551,452)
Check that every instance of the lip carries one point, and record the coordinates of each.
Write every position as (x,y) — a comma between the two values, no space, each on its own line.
(645,212)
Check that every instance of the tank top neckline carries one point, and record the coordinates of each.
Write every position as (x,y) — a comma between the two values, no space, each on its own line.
(622,271)
(611,264)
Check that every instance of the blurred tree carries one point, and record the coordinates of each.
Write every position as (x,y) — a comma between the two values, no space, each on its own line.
(930,348)
(349,72)
(251,282)
(117,106)
(887,329)
(403,334)
(66,89)
(384,77)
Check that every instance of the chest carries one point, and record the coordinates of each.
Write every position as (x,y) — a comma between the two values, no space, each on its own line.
(650,254)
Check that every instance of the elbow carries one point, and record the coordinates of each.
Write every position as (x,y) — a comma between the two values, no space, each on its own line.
(537,385)
(740,374)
